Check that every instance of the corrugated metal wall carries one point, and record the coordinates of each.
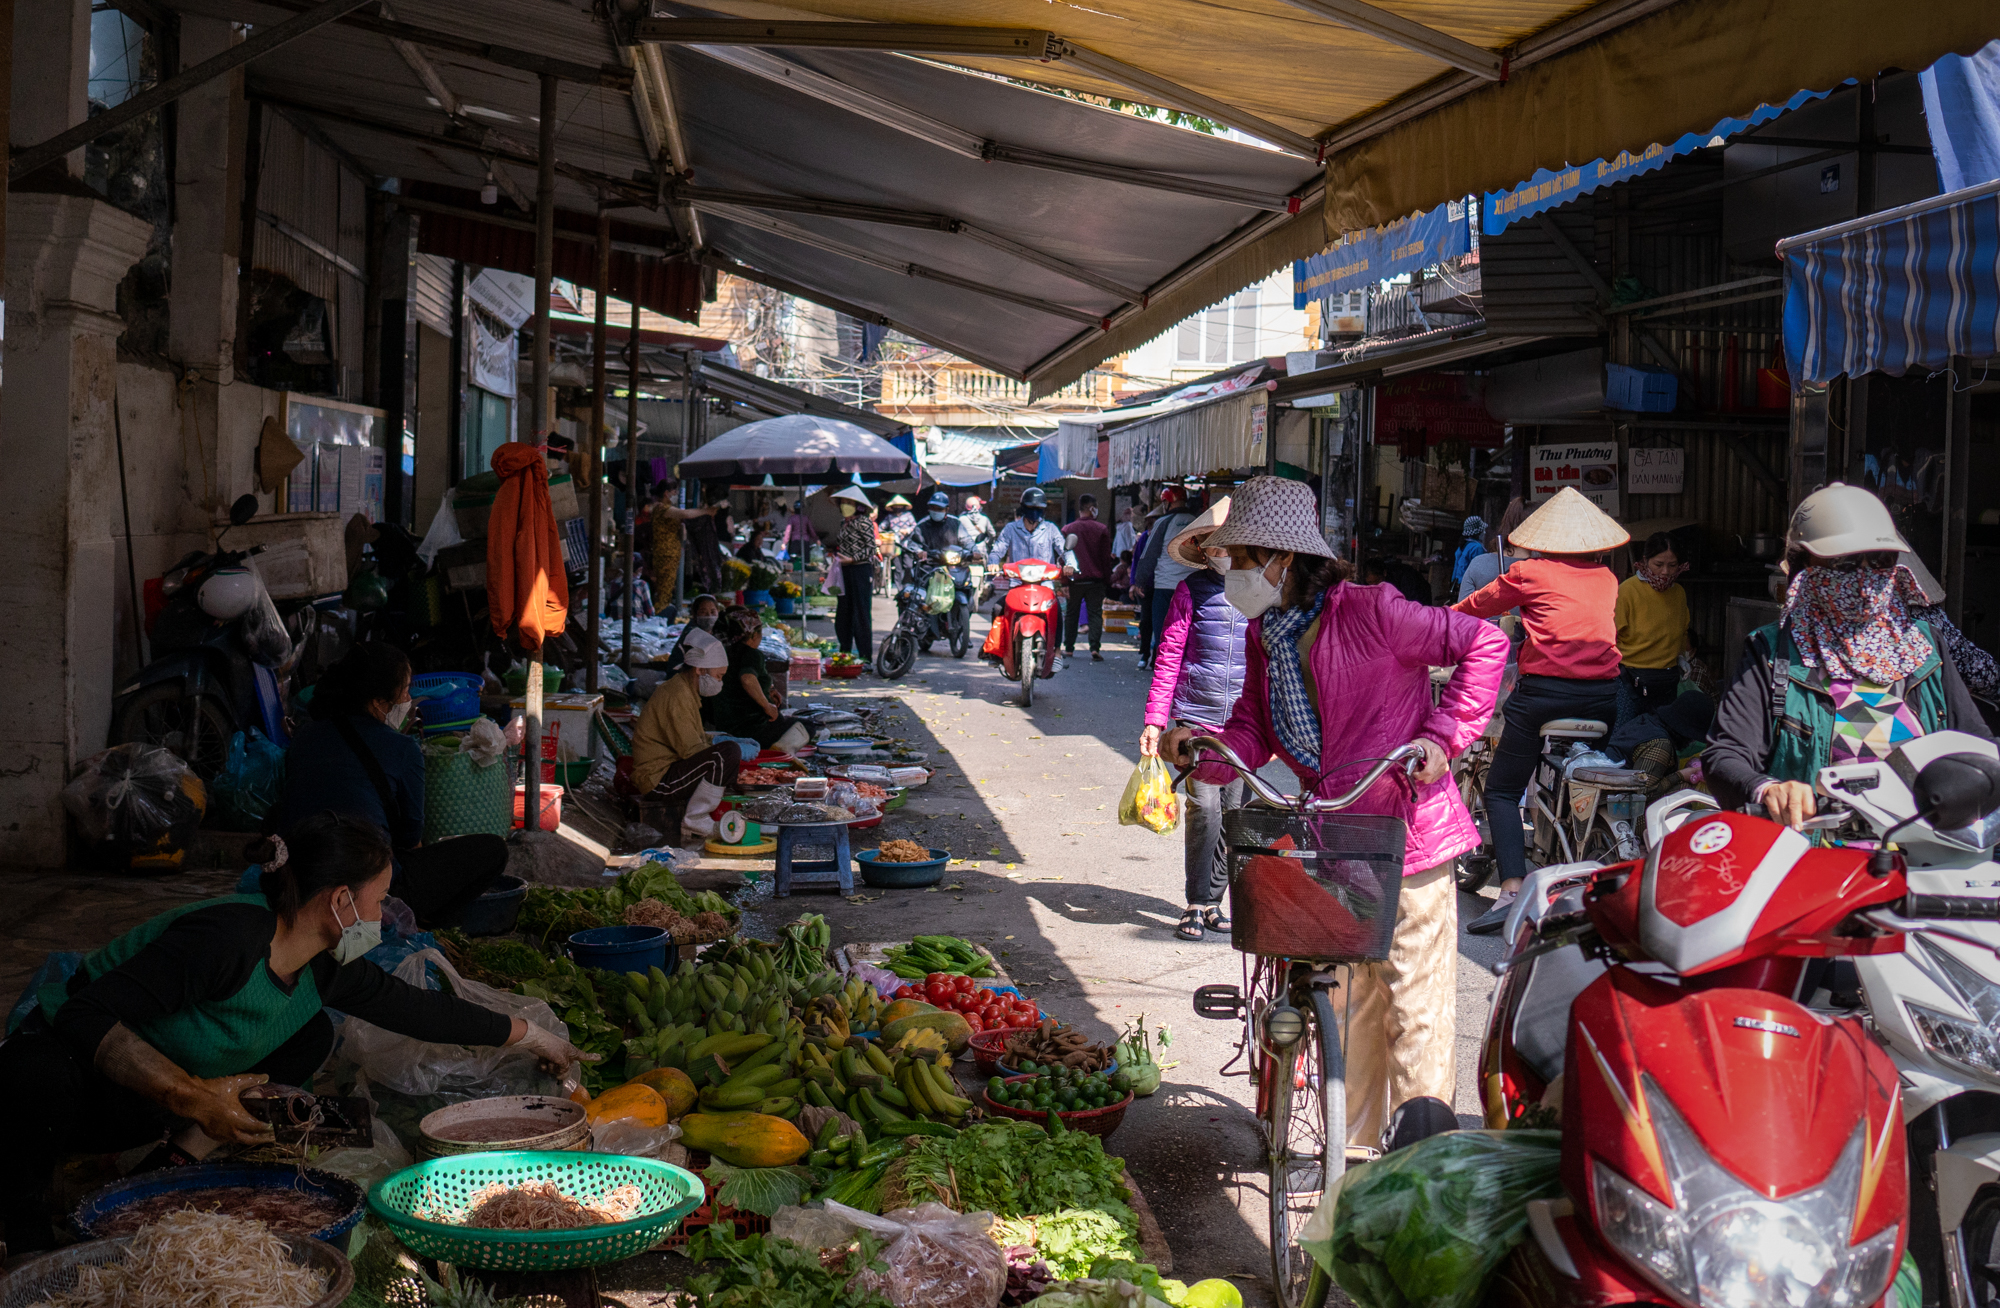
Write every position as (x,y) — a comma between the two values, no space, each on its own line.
(307,188)
(430,292)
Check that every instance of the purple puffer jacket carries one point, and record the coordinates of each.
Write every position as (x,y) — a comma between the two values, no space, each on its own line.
(1198,671)
(1371,664)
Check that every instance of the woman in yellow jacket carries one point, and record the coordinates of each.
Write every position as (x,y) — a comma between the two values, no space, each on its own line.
(1652,616)
(672,760)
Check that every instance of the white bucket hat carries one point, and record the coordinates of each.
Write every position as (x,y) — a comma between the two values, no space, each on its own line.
(1187,544)
(855,494)
(1273,513)
(1568,524)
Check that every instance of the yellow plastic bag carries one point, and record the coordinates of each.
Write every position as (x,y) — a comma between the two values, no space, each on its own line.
(1150,799)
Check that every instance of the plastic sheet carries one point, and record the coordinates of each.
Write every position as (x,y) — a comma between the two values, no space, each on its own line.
(935,1258)
(1150,800)
(262,630)
(626,1136)
(1424,1227)
(454,1072)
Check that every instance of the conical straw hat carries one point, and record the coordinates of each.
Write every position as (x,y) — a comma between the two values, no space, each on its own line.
(1186,544)
(1568,524)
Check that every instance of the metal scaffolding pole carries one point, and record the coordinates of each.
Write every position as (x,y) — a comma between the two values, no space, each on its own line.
(545,259)
(631,476)
(594,443)
(690,367)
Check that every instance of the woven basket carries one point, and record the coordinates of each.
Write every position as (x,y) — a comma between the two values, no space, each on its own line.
(463,799)
(35,1280)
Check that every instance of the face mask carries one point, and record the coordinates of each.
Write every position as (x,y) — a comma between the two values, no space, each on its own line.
(1249,591)
(1031,515)
(1220,562)
(356,937)
(710,685)
(397,713)
(706,622)
(936,515)
(846,509)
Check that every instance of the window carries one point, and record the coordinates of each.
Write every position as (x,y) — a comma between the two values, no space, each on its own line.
(1222,335)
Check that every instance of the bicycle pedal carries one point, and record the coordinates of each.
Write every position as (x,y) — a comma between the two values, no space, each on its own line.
(1223,1003)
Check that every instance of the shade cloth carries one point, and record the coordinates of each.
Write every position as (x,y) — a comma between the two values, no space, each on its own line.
(799,444)
(526,588)
(1905,289)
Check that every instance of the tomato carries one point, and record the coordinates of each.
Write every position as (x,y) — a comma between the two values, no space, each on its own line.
(938,993)
(935,977)
(964,984)
(973,1020)
(909,992)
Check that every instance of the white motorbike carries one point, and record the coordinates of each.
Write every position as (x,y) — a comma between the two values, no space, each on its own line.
(1935,1006)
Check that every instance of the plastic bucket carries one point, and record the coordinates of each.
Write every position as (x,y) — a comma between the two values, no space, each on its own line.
(552,797)
(623,949)
(445,697)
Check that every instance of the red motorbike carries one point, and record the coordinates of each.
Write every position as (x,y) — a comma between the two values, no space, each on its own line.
(1028,618)
(1723,1144)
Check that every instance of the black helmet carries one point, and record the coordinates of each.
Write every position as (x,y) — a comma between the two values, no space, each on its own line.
(938,500)
(1034,498)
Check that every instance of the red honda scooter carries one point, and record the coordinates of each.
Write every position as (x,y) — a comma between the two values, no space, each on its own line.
(1029,612)
(1723,1145)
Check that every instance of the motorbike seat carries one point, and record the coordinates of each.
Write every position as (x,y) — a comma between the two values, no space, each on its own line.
(1614,778)
(1574,728)
(1541,1023)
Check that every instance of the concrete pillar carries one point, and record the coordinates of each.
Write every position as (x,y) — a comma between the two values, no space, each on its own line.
(51,73)
(65,258)
(208,164)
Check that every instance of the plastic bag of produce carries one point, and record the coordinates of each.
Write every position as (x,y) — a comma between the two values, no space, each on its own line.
(1150,800)
(935,1258)
(248,785)
(1425,1226)
(454,1072)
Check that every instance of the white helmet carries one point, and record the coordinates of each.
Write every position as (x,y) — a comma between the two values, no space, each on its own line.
(229,593)
(1838,519)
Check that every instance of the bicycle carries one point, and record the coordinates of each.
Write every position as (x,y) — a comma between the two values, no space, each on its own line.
(1308,893)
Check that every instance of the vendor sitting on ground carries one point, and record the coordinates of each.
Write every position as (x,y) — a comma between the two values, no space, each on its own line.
(159,1032)
(355,759)
(747,704)
(672,761)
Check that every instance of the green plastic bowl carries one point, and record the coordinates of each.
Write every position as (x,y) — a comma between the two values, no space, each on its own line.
(447,1185)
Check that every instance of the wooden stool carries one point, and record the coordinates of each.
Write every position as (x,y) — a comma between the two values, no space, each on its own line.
(814,837)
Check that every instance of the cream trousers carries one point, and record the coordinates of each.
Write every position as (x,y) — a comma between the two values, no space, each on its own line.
(1400,1017)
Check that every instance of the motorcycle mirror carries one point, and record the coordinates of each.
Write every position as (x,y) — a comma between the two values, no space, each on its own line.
(1957,790)
(244,509)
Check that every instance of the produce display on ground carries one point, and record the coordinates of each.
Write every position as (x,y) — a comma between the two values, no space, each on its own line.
(927,954)
(1060,1090)
(550,915)
(902,851)
(197,1260)
(983,1008)
(1051,1044)
(288,1212)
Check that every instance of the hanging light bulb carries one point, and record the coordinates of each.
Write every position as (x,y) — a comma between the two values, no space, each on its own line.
(489,193)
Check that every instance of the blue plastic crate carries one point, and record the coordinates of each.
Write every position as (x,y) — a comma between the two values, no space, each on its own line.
(1639,390)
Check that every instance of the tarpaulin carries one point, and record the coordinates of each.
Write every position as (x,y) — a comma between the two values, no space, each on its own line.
(1365,258)
(1962,111)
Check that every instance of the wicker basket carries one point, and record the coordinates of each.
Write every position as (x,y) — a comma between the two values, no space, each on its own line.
(1322,887)
(35,1280)
(463,799)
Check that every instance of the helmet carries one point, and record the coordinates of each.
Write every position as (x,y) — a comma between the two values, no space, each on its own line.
(974,504)
(938,500)
(1840,519)
(1034,498)
(228,593)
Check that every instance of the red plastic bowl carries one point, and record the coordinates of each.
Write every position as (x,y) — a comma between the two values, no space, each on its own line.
(1100,1122)
(988,1046)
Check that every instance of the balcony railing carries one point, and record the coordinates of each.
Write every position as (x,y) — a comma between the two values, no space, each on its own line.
(967,386)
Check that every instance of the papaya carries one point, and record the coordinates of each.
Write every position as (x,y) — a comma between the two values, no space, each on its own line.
(903,1008)
(633,1101)
(672,1085)
(953,1027)
(745,1139)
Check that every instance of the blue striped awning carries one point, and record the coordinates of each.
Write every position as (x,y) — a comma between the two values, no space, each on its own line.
(1895,291)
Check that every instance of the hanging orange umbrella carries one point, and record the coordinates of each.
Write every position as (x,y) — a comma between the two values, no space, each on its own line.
(527,589)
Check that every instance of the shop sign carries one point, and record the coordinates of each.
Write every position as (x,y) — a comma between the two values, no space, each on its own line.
(1435,408)
(1590,466)
(494,353)
(1260,414)
(510,297)
(1362,259)
(1657,472)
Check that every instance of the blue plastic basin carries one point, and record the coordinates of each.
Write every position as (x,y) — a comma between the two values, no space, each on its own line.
(624,949)
(445,697)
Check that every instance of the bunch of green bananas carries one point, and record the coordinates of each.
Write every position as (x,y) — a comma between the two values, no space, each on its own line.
(760,1081)
(909,1094)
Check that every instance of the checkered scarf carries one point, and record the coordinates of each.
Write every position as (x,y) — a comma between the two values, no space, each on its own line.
(1292,712)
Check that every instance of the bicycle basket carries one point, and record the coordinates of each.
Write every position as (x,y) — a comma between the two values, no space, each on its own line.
(1320,887)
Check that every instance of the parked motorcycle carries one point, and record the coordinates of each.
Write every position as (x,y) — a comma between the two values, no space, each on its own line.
(1935,1005)
(1029,609)
(1583,811)
(219,651)
(925,605)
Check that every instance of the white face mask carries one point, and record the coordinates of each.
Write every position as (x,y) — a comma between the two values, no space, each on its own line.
(1250,592)
(706,621)
(1220,562)
(710,685)
(397,714)
(356,937)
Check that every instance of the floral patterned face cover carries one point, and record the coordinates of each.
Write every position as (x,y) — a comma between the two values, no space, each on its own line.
(1857,624)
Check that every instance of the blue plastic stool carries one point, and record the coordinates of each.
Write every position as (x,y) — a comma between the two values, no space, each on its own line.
(814,837)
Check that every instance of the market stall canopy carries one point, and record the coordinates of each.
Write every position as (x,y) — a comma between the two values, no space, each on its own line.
(1909,288)
(798,445)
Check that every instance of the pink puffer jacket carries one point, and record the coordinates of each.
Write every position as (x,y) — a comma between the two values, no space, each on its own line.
(1371,665)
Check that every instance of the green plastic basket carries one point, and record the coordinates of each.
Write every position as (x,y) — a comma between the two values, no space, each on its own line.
(446,1185)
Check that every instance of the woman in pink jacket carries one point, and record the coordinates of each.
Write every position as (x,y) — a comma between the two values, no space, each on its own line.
(1338,676)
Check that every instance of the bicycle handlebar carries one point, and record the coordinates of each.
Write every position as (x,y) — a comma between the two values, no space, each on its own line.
(1410,757)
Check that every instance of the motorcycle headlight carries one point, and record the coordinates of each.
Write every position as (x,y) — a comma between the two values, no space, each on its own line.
(1966,1041)
(951,558)
(1724,1245)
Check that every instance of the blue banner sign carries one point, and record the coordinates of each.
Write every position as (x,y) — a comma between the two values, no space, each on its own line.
(1548,190)
(1365,258)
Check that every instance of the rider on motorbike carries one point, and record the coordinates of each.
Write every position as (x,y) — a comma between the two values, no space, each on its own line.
(1031,536)
(977,522)
(1861,674)
(939,530)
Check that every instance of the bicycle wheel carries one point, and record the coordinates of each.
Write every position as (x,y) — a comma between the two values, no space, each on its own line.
(1308,1128)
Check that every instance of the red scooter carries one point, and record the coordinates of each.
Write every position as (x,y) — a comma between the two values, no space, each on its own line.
(1723,1145)
(1028,615)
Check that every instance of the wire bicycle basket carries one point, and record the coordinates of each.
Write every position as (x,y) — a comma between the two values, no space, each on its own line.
(1320,886)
